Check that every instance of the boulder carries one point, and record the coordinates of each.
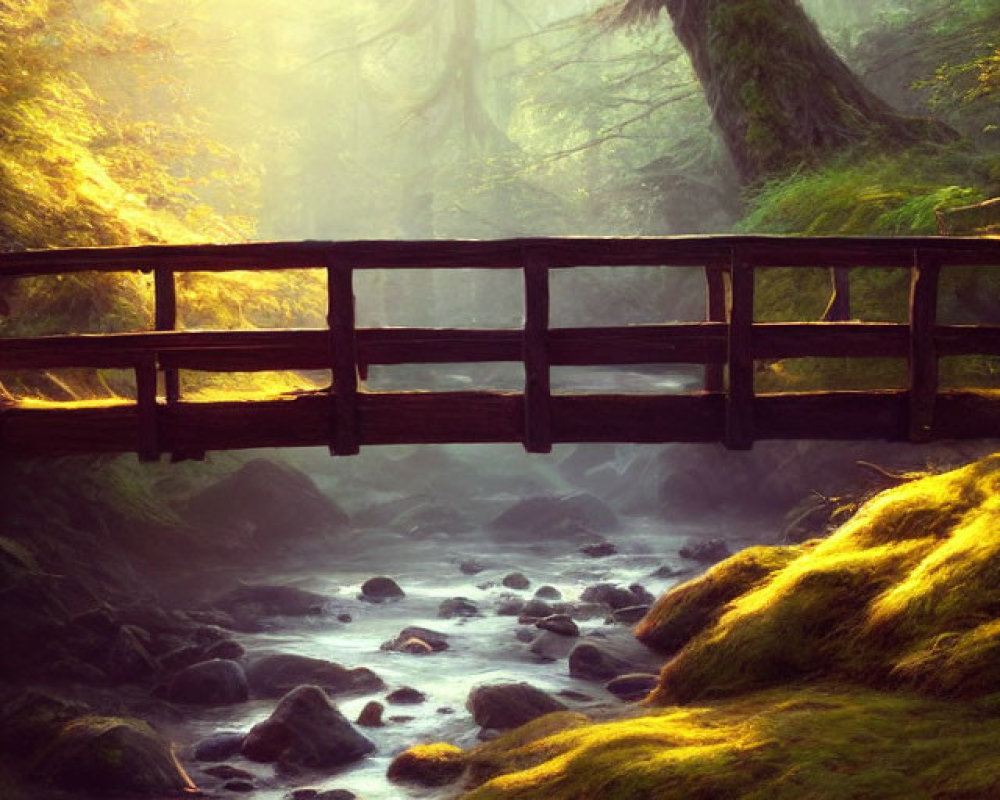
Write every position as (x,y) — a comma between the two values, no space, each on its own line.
(218,747)
(603,658)
(33,718)
(471,567)
(516,580)
(630,614)
(550,646)
(379,589)
(265,504)
(599,549)
(610,595)
(435,641)
(510,606)
(216,682)
(560,624)
(705,551)
(306,730)
(276,675)
(428,765)
(128,659)
(509,705)
(545,516)
(371,715)
(633,686)
(249,604)
(105,756)
(548,593)
(405,696)
(457,607)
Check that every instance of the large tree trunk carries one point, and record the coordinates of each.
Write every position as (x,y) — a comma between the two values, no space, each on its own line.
(779,94)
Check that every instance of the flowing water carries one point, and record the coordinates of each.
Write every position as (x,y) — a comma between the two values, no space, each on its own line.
(482,649)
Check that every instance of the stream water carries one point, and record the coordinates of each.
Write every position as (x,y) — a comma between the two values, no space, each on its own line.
(482,650)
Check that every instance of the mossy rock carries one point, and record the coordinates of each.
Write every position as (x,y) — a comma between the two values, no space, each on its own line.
(107,756)
(904,594)
(689,608)
(428,765)
(825,741)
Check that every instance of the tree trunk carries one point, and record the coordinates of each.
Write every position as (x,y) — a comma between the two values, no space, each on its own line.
(779,94)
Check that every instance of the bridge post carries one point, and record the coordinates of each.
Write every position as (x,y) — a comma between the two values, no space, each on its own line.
(739,427)
(537,380)
(923,363)
(345,439)
(166,320)
(715,284)
(146,414)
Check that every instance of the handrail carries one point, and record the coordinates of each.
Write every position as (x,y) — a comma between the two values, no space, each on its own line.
(728,343)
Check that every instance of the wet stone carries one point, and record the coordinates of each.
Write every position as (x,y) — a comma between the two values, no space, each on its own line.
(516,580)
(405,695)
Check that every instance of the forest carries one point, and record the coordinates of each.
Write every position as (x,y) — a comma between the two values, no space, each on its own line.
(825,636)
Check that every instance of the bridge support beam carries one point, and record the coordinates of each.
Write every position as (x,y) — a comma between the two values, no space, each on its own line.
(345,438)
(739,432)
(537,380)
(923,362)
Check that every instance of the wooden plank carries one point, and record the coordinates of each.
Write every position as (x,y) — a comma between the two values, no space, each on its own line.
(808,252)
(923,363)
(638,418)
(697,343)
(961,340)
(715,312)
(344,421)
(831,416)
(415,417)
(537,383)
(145,392)
(739,434)
(437,345)
(165,290)
(831,340)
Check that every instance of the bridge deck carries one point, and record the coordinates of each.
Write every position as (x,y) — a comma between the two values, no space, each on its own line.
(728,343)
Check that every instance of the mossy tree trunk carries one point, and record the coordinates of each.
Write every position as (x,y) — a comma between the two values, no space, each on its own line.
(779,94)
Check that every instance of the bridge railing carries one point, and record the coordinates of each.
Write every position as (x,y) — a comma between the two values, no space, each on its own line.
(727,343)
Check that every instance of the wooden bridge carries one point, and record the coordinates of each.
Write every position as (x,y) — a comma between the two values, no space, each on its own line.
(347,416)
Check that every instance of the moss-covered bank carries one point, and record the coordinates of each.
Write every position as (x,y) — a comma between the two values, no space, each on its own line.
(863,665)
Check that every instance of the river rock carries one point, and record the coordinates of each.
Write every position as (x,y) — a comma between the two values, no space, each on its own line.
(537,608)
(546,516)
(249,604)
(371,715)
(559,624)
(516,580)
(470,567)
(633,686)
(603,658)
(630,614)
(226,648)
(306,730)
(379,589)
(433,640)
(405,696)
(548,593)
(610,595)
(642,594)
(216,682)
(457,607)
(276,675)
(508,705)
(550,646)
(33,718)
(218,747)
(128,659)
(428,765)
(705,551)
(265,505)
(510,606)
(308,793)
(105,756)
(599,549)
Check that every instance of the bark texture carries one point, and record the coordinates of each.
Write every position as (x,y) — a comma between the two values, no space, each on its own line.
(778,92)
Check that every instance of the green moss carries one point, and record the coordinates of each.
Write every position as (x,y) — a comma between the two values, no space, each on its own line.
(825,741)
(690,608)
